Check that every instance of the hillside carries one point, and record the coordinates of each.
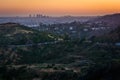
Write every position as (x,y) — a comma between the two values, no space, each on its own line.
(110,20)
(16,34)
(97,58)
(65,52)
(111,37)
(13,28)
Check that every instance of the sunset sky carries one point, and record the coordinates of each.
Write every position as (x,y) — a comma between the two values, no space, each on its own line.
(58,7)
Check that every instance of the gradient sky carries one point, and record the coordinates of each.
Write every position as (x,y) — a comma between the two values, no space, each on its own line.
(59,7)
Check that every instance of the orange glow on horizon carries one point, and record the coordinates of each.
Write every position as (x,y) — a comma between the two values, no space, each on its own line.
(59,7)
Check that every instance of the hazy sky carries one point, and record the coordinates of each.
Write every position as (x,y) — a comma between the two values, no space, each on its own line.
(58,7)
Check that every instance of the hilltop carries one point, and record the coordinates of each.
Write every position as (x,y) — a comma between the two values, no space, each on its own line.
(110,20)
(13,28)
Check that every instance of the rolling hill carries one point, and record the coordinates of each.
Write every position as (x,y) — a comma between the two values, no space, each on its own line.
(111,37)
(16,34)
(72,59)
(112,20)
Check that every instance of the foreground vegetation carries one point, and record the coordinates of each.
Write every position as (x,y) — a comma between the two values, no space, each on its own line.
(96,58)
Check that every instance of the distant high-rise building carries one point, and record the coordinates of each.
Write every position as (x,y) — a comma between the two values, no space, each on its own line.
(39,15)
(30,15)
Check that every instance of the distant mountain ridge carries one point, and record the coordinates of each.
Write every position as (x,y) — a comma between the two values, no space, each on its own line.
(111,19)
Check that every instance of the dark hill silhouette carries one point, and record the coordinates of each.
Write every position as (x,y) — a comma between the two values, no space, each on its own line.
(111,19)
